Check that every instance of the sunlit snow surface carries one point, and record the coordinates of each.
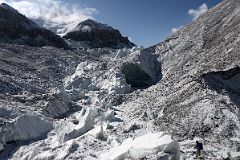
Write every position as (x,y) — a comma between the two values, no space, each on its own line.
(140,147)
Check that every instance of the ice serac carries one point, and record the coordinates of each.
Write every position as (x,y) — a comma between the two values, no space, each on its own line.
(140,147)
(18,29)
(89,76)
(69,130)
(98,35)
(27,127)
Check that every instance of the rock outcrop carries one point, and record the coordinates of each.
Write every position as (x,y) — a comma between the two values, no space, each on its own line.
(98,35)
(18,29)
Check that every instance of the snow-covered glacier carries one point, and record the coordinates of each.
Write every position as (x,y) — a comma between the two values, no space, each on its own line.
(122,101)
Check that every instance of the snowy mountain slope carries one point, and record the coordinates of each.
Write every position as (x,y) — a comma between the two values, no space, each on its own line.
(16,28)
(198,95)
(98,35)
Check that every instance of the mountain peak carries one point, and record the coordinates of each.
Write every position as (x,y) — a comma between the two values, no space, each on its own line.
(98,35)
(90,25)
(90,21)
(7,7)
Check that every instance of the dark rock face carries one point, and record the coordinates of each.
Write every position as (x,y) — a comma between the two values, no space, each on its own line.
(98,35)
(18,29)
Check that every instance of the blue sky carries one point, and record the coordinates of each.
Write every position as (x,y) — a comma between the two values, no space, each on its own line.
(146,22)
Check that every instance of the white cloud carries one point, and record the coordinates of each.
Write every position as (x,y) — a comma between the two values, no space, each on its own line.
(58,15)
(175,29)
(195,13)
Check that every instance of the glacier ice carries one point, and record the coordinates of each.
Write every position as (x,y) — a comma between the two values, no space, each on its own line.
(69,130)
(27,127)
(139,147)
(109,115)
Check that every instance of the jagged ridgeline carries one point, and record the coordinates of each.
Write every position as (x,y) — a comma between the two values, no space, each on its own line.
(103,98)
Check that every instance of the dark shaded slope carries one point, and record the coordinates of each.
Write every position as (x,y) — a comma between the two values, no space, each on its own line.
(18,29)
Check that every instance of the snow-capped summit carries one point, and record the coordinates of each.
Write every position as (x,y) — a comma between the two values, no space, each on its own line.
(18,29)
(90,25)
(98,35)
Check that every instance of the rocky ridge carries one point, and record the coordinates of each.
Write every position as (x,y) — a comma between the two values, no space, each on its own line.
(18,29)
